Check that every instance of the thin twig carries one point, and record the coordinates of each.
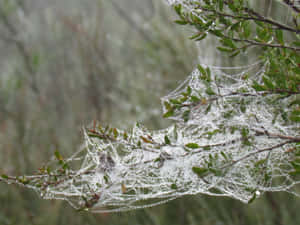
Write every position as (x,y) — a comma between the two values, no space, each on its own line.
(291,5)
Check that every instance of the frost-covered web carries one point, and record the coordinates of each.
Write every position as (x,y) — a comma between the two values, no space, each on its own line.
(229,138)
(225,142)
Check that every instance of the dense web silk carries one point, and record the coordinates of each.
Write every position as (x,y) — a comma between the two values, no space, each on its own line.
(225,141)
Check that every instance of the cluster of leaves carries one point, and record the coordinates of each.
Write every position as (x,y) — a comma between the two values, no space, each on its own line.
(239,27)
(189,99)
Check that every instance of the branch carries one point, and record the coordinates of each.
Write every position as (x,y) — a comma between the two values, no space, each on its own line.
(256,152)
(252,42)
(257,18)
(273,135)
(291,5)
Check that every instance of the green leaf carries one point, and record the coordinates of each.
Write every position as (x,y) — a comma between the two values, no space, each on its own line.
(201,69)
(192,145)
(228,42)
(199,171)
(175,102)
(257,86)
(167,140)
(195,98)
(125,136)
(4,176)
(189,90)
(116,133)
(201,37)
(181,22)
(295,115)
(224,156)
(208,73)
(195,36)
(253,198)
(186,115)
(174,186)
(268,83)
(225,49)
(58,155)
(246,29)
(221,5)
(235,54)
(217,33)
(168,114)
(178,9)
(296,166)
(209,91)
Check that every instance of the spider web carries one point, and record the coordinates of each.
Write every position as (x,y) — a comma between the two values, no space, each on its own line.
(126,170)
(227,140)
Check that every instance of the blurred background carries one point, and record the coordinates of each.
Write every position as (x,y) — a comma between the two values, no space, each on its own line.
(65,63)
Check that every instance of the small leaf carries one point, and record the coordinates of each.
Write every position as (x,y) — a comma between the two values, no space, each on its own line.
(257,86)
(195,98)
(125,136)
(253,198)
(229,43)
(174,186)
(221,5)
(201,69)
(116,133)
(58,155)
(201,37)
(189,90)
(178,9)
(106,179)
(192,145)
(167,105)
(195,36)
(268,82)
(146,140)
(4,176)
(181,22)
(224,156)
(167,140)
(168,114)
(210,91)
(199,171)
(235,54)
(186,115)
(222,49)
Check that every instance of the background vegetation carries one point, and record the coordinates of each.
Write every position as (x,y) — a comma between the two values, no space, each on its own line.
(65,63)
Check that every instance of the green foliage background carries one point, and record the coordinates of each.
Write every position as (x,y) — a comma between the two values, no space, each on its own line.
(65,63)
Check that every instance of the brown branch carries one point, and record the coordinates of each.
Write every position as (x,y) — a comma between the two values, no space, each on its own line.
(273,135)
(252,42)
(270,21)
(257,152)
(291,5)
(258,17)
